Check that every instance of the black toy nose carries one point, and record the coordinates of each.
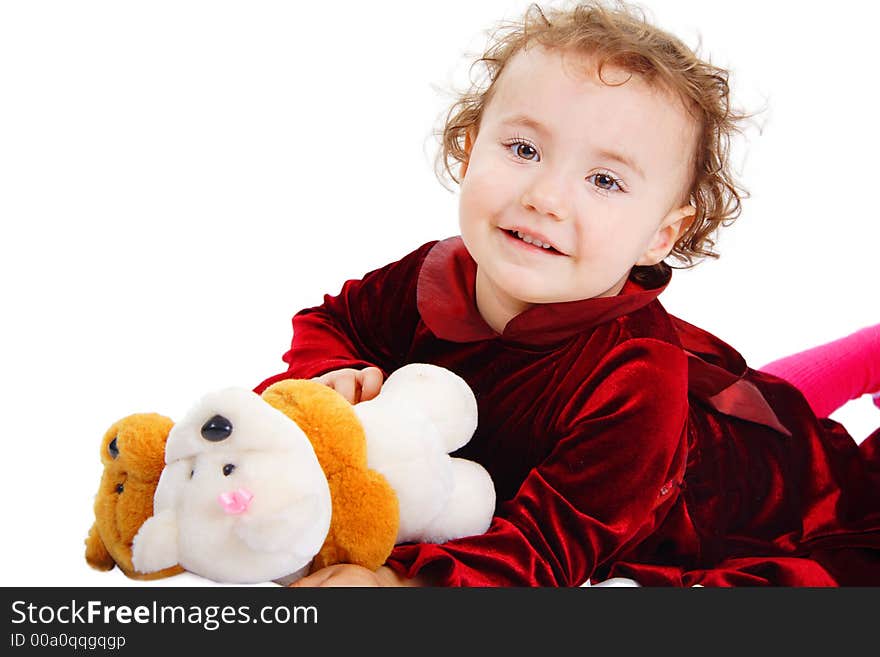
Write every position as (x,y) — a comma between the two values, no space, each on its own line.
(216,429)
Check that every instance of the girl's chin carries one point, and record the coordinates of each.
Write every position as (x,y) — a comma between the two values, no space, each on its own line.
(532,289)
(531,295)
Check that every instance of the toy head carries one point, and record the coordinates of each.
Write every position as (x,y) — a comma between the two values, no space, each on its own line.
(248,496)
(132,452)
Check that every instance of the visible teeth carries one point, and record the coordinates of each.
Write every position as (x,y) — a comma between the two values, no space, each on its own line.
(528,239)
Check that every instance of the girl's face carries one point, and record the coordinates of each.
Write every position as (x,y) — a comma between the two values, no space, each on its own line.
(596,173)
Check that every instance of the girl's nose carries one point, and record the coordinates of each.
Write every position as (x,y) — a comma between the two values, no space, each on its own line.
(546,195)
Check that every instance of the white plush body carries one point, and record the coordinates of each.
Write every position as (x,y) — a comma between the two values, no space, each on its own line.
(422,413)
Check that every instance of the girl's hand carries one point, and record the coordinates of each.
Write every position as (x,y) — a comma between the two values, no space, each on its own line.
(346,574)
(355,385)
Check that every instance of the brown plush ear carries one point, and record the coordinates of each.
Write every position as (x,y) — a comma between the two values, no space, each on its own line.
(365,517)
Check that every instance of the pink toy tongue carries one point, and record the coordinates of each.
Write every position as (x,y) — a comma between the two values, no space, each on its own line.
(237,501)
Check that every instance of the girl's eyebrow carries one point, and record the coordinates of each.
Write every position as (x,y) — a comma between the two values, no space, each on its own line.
(527,121)
(604,153)
(623,159)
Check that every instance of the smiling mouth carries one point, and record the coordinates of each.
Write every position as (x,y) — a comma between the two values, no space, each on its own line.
(530,243)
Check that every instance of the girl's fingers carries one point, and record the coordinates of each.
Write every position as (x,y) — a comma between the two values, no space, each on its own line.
(355,385)
(345,384)
(371,383)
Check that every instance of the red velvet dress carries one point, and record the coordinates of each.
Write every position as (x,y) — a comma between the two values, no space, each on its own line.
(622,441)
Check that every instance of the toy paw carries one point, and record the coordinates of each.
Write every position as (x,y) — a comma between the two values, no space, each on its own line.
(155,545)
(468,508)
(443,399)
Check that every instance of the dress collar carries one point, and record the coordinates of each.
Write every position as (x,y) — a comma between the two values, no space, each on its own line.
(447,303)
(717,373)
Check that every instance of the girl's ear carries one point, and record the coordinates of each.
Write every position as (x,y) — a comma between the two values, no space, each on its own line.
(673,226)
(470,137)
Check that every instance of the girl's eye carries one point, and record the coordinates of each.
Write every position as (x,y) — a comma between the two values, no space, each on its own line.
(523,150)
(606,182)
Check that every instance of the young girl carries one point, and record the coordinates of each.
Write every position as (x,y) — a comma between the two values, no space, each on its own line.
(623,441)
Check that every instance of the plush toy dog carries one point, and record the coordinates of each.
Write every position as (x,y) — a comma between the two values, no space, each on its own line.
(257,489)
(132,452)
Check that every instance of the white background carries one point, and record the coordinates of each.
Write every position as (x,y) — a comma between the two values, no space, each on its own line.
(178,178)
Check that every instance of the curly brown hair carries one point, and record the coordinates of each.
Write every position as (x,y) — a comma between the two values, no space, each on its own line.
(619,35)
